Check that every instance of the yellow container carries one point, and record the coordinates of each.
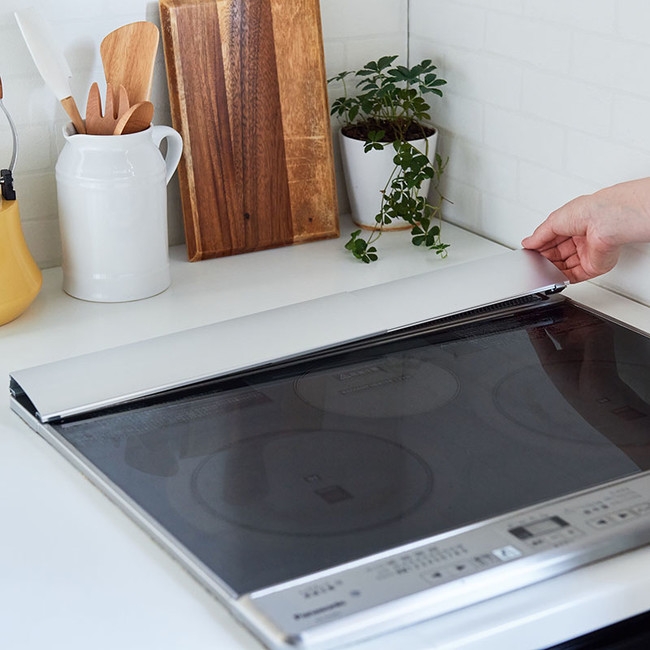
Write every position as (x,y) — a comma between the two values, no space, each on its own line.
(20,278)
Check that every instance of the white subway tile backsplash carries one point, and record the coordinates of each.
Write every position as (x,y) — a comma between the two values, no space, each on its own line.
(361,50)
(545,45)
(543,190)
(631,121)
(633,19)
(464,164)
(459,116)
(35,152)
(465,206)
(630,277)
(449,23)
(564,92)
(567,102)
(507,6)
(584,15)
(506,220)
(497,173)
(524,137)
(604,161)
(347,20)
(37,194)
(611,63)
(473,75)
(43,238)
(493,80)
(488,171)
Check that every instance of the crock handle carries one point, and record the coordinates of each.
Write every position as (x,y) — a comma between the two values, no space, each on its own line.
(161,132)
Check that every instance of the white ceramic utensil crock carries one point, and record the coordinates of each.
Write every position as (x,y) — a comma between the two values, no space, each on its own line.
(112,198)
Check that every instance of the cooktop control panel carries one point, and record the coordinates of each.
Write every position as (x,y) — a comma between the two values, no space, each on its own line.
(459,569)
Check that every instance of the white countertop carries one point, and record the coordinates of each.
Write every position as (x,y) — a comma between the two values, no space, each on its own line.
(77,573)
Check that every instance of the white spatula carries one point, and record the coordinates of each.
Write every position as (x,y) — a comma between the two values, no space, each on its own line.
(50,61)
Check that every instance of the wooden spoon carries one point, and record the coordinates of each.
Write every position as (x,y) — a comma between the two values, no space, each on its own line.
(100,122)
(137,118)
(128,56)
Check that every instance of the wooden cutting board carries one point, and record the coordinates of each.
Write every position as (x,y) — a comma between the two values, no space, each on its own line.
(248,95)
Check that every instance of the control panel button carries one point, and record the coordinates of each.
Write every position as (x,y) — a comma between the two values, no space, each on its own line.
(601,522)
(506,553)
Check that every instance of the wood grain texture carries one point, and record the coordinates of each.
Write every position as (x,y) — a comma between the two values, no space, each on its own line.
(248,95)
(128,57)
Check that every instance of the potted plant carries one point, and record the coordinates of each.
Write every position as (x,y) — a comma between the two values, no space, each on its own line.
(385,120)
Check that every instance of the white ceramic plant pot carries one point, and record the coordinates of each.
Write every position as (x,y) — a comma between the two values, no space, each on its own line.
(366,175)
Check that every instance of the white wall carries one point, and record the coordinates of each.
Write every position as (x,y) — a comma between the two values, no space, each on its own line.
(547,99)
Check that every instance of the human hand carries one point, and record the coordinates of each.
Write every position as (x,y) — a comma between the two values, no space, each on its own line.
(584,237)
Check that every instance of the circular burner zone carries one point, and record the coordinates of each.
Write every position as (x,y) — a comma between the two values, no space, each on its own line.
(577,407)
(312,482)
(392,386)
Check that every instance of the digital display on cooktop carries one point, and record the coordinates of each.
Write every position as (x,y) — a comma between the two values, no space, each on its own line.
(277,473)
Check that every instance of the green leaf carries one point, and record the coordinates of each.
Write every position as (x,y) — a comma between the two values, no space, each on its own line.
(385,61)
(339,77)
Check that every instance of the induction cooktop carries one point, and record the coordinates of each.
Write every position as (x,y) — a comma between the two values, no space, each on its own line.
(333,495)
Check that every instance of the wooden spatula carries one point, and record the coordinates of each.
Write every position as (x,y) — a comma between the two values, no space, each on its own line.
(137,118)
(128,56)
(103,122)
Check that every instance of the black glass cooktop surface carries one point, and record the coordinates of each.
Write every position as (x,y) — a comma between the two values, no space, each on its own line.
(272,474)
